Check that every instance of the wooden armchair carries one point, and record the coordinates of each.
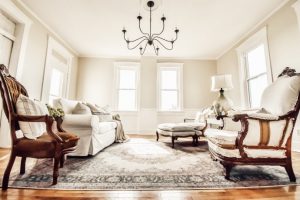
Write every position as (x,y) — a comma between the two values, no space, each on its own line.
(48,145)
(265,137)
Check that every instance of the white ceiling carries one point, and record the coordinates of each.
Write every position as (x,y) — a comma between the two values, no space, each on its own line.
(207,27)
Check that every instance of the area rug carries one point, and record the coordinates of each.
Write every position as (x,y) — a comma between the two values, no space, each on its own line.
(142,164)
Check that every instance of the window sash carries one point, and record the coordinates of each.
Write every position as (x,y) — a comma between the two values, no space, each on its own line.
(177,67)
(118,88)
(249,90)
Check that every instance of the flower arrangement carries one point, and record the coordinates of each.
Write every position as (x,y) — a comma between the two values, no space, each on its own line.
(55,112)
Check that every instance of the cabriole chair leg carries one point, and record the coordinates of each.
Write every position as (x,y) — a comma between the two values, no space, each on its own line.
(289,170)
(62,161)
(55,170)
(7,171)
(23,165)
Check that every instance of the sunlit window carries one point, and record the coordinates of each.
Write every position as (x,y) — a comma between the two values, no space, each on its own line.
(169,87)
(257,79)
(56,85)
(127,87)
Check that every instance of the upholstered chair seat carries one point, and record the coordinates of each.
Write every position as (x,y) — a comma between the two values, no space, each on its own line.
(44,146)
(263,136)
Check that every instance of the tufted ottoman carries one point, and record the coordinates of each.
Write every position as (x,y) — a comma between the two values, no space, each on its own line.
(177,130)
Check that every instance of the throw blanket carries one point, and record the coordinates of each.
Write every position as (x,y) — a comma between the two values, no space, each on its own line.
(120,135)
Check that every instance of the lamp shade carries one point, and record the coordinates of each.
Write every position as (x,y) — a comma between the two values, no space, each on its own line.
(221,81)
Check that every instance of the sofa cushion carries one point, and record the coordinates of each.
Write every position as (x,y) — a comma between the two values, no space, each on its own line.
(196,125)
(175,127)
(230,153)
(281,96)
(222,138)
(27,106)
(81,109)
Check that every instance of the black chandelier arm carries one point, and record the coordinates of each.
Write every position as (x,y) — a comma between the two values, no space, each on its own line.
(164,45)
(141,28)
(131,48)
(155,49)
(142,51)
(157,37)
(130,41)
(163,28)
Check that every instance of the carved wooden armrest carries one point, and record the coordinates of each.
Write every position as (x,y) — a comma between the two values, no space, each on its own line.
(41,118)
(256,116)
(59,121)
(261,117)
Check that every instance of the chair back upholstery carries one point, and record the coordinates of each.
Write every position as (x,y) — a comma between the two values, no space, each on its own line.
(10,91)
(282,100)
(282,96)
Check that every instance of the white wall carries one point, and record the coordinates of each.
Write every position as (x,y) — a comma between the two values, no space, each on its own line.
(35,57)
(284,48)
(95,84)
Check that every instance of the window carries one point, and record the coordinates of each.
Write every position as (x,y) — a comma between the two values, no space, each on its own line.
(56,85)
(257,79)
(170,87)
(255,70)
(57,72)
(127,78)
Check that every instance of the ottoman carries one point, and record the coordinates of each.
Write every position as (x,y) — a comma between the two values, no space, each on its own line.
(177,130)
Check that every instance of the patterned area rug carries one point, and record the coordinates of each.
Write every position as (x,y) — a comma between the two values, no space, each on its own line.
(142,164)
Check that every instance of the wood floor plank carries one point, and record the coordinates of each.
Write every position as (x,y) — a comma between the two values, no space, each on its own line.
(274,193)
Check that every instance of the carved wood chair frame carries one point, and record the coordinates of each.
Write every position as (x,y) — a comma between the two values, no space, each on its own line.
(10,90)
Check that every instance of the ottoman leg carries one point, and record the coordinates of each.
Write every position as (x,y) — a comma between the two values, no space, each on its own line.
(194,140)
(197,139)
(157,136)
(173,141)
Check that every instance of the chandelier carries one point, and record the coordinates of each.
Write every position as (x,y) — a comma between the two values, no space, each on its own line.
(151,39)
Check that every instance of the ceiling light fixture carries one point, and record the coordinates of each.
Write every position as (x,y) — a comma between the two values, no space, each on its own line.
(151,39)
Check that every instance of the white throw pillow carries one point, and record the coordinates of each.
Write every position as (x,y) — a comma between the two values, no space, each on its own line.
(27,106)
(65,104)
(281,96)
(82,109)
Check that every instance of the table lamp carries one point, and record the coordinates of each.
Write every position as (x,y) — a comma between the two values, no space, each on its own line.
(221,83)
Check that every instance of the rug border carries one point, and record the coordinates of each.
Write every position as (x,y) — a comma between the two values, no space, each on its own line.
(175,189)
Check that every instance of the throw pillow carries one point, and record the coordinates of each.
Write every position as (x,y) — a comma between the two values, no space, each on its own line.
(96,109)
(82,109)
(27,106)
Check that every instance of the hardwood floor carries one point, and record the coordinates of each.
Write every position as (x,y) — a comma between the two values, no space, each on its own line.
(274,193)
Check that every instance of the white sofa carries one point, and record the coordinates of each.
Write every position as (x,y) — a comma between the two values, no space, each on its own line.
(94,134)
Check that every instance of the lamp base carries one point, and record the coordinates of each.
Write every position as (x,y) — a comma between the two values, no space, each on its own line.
(222,105)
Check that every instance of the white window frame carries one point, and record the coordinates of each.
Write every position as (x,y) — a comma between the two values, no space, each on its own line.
(129,66)
(54,45)
(173,66)
(23,24)
(253,42)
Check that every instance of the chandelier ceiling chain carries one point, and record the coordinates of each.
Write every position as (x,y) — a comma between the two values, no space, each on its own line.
(152,39)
